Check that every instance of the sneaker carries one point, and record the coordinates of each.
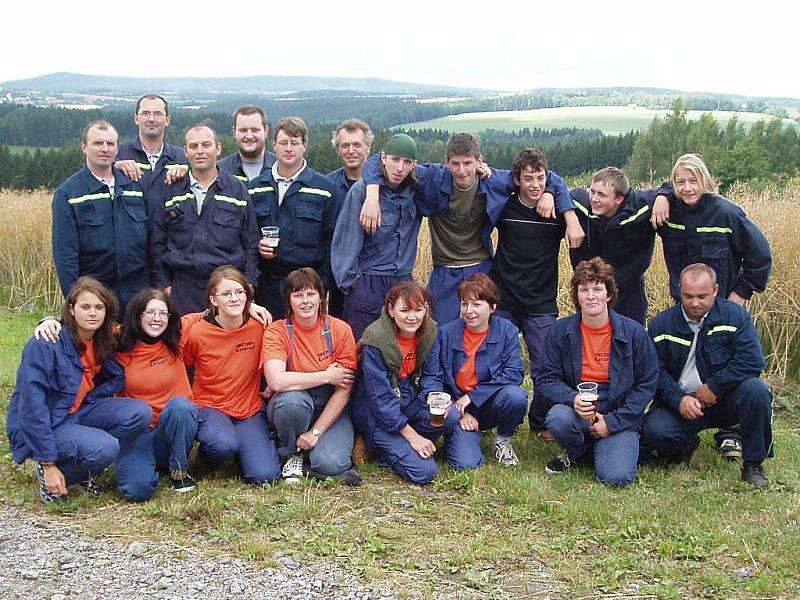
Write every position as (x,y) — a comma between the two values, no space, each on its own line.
(684,457)
(504,453)
(44,494)
(293,469)
(753,473)
(558,465)
(182,482)
(90,487)
(731,449)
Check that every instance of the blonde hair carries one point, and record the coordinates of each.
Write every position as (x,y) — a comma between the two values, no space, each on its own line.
(695,165)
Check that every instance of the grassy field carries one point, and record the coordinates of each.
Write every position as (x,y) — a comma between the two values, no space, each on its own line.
(611,120)
(679,533)
(21,149)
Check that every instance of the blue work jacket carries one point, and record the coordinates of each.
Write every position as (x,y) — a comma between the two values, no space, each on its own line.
(728,350)
(341,183)
(498,362)
(233,165)
(718,233)
(95,234)
(48,379)
(625,241)
(633,370)
(224,233)
(152,180)
(435,190)
(306,217)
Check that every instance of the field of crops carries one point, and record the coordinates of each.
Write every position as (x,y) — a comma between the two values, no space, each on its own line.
(612,120)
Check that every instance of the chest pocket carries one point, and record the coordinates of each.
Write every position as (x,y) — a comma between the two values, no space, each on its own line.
(230,218)
(135,209)
(308,224)
(715,252)
(719,350)
(90,221)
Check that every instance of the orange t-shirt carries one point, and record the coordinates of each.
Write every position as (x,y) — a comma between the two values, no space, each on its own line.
(595,351)
(227,365)
(408,348)
(90,369)
(154,374)
(310,352)
(467,377)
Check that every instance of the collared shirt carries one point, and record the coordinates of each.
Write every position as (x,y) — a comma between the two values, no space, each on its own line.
(690,378)
(285,182)
(108,182)
(153,158)
(199,191)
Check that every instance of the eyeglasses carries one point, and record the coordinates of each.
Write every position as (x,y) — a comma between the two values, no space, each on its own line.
(146,114)
(287,143)
(150,313)
(227,295)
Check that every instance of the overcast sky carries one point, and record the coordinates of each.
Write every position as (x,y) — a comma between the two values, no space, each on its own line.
(726,47)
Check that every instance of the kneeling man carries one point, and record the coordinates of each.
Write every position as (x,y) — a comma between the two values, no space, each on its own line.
(613,354)
(710,361)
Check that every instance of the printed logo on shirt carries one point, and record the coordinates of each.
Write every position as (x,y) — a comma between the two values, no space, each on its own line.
(601,357)
(322,356)
(462,214)
(158,360)
(245,346)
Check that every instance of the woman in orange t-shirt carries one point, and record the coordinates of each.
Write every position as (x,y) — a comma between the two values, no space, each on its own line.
(150,352)
(309,363)
(224,345)
(477,361)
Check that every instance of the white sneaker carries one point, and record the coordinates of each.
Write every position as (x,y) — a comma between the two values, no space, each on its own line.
(504,453)
(293,469)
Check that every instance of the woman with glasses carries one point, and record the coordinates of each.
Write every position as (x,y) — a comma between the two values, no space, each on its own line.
(224,346)
(309,363)
(63,413)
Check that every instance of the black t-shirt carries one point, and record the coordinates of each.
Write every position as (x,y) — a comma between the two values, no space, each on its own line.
(525,267)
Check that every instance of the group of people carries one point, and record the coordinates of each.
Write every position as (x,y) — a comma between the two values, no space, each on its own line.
(166,241)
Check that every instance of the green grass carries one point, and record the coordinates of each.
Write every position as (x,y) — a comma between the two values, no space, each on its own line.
(611,120)
(676,533)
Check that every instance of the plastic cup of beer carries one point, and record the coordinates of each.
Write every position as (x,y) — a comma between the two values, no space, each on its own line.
(438,403)
(272,235)
(587,391)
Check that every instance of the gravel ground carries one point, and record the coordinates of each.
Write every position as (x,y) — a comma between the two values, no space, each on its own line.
(45,557)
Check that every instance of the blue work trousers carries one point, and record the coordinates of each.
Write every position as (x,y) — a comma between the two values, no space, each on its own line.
(443,289)
(294,413)
(666,433)
(615,457)
(157,450)
(90,439)
(249,440)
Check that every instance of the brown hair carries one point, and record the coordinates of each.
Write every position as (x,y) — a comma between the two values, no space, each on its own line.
(481,287)
(615,178)
(462,144)
(590,271)
(234,274)
(152,97)
(250,109)
(412,294)
(293,127)
(528,157)
(302,279)
(132,332)
(104,339)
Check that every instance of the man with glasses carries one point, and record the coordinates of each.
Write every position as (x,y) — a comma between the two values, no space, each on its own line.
(150,159)
(206,221)
(303,204)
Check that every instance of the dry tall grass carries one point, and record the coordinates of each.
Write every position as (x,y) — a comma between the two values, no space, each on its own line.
(27,274)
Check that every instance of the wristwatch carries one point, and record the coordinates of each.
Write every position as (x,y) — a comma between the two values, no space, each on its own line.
(316,432)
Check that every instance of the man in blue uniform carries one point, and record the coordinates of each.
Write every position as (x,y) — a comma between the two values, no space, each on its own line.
(352,140)
(206,221)
(150,159)
(250,132)
(100,221)
(303,204)
(710,361)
